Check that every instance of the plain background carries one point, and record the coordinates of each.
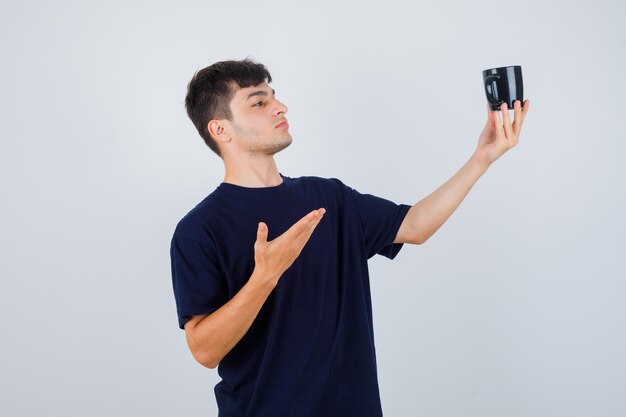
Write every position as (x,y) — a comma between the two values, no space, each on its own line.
(515,307)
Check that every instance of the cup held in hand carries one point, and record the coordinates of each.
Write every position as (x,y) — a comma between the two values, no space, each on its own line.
(503,85)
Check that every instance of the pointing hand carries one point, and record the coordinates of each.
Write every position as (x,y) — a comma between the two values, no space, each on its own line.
(273,258)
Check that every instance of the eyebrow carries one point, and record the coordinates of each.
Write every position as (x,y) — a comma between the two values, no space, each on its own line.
(260,93)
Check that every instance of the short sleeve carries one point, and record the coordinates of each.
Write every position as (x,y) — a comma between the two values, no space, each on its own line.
(199,284)
(380,220)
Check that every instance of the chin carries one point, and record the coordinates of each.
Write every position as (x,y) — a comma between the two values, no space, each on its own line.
(279,146)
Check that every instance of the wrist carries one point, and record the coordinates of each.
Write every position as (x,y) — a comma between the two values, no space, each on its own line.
(264,279)
(479,163)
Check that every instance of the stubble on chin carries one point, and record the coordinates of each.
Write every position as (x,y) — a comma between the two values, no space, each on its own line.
(279,145)
(271,148)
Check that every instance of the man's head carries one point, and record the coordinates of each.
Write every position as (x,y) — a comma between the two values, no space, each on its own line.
(230,103)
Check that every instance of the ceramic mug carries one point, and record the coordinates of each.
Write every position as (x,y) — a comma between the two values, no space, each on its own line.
(503,85)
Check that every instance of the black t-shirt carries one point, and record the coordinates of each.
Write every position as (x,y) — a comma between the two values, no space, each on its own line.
(310,351)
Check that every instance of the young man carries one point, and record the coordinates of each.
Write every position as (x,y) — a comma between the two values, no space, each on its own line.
(270,272)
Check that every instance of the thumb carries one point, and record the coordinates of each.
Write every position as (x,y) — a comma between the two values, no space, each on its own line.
(261,234)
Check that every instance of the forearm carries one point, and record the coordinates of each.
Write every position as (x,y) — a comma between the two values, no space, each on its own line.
(216,334)
(428,214)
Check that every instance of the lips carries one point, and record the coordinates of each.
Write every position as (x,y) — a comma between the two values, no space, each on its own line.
(282,124)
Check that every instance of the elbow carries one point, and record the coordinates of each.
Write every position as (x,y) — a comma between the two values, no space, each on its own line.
(209,364)
(198,347)
(200,352)
(418,236)
(419,240)
(204,359)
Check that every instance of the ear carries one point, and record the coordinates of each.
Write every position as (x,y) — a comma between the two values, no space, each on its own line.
(217,129)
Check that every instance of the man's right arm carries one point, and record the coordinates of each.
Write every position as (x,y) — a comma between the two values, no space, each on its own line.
(211,336)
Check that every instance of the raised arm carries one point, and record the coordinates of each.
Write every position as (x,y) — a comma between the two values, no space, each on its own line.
(430,213)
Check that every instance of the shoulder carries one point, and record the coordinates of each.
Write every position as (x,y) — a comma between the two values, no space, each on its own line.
(333,189)
(197,222)
(331,183)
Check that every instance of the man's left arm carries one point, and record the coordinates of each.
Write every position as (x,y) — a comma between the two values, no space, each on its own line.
(429,214)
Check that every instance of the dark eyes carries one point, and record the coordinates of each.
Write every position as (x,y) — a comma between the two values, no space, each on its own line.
(260,102)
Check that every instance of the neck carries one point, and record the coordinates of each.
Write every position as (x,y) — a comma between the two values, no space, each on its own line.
(253,172)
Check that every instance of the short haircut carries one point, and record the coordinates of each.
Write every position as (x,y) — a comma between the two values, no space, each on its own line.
(212,88)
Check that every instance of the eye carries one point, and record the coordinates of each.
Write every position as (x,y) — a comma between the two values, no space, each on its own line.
(260,102)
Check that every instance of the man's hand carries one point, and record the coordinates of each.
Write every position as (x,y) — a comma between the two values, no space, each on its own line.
(499,136)
(273,258)
(212,336)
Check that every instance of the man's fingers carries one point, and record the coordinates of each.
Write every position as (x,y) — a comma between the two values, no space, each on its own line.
(312,225)
(304,237)
(305,223)
(517,115)
(497,123)
(316,220)
(261,233)
(507,122)
(525,109)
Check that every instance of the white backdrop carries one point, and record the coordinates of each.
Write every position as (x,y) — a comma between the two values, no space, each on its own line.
(515,307)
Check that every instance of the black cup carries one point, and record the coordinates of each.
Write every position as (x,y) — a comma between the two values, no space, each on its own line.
(503,85)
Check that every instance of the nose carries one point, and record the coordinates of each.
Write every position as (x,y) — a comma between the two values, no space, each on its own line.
(280,108)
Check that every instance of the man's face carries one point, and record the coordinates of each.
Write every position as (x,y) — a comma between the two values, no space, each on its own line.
(256,116)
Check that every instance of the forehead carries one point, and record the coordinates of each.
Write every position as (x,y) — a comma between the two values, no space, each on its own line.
(242,95)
